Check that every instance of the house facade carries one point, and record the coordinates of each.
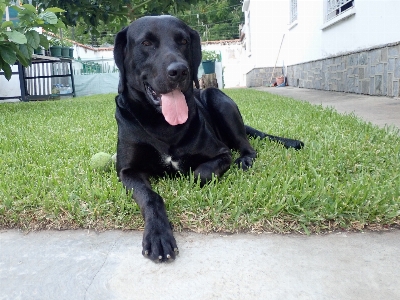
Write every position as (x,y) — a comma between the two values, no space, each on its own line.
(337,45)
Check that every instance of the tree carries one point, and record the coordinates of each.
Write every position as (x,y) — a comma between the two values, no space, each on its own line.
(113,12)
(215,19)
(96,22)
(18,41)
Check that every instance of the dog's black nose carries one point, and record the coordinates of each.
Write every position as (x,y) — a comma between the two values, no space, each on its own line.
(177,71)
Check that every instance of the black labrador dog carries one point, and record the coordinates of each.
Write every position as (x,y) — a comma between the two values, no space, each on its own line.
(165,125)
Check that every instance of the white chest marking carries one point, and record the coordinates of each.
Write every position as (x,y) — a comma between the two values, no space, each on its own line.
(168,160)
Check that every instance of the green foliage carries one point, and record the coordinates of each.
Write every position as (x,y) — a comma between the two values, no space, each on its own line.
(97,23)
(215,20)
(18,41)
(93,18)
(55,42)
(66,43)
(209,55)
(85,34)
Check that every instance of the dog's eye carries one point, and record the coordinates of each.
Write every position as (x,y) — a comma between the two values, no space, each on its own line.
(146,43)
(184,41)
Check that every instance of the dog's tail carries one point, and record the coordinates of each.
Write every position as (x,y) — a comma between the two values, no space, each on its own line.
(288,143)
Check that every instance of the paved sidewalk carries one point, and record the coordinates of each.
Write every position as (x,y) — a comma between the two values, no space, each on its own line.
(378,110)
(85,264)
(88,265)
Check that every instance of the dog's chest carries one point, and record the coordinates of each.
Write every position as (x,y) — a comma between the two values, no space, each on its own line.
(169,162)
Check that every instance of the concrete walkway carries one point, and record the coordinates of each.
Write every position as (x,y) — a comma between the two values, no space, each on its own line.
(88,265)
(85,264)
(377,110)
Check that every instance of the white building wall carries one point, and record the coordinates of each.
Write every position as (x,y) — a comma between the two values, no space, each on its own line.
(88,54)
(268,21)
(372,23)
(230,70)
(303,41)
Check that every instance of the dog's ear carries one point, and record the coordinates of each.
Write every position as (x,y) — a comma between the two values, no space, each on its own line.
(119,54)
(196,55)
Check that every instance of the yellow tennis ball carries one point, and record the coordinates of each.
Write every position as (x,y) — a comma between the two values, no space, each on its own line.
(101,162)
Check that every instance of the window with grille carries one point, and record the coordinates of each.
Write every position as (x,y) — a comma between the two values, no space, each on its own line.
(293,11)
(336,7)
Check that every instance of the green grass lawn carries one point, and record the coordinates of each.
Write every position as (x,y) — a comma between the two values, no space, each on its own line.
(347,176)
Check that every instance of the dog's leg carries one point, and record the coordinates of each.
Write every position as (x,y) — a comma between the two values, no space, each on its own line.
(217,167)
(158,241)
(287,143)
(229,124)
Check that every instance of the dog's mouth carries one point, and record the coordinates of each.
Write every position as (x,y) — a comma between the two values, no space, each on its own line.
(173,104)
(156,98)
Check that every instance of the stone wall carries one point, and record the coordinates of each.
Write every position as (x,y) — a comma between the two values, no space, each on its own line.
(374,71)
(262,76)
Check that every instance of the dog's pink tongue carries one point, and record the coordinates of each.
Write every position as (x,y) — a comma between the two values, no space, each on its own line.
(174,107)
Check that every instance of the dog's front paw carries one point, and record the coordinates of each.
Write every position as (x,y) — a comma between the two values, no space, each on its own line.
(244,162)
(158,242)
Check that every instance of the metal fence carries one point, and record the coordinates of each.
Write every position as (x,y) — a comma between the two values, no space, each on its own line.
(94,66)
(95,76)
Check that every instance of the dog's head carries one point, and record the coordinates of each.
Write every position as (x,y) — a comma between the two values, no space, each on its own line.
(158,57)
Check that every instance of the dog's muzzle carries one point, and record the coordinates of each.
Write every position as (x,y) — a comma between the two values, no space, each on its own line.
(156,98)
